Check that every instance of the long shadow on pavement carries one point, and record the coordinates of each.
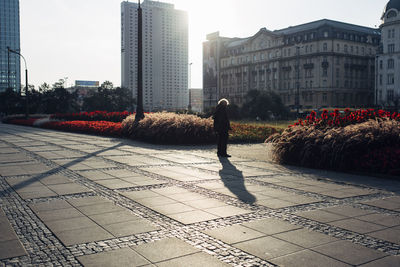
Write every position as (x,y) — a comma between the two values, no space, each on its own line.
(233,180)
(55,170)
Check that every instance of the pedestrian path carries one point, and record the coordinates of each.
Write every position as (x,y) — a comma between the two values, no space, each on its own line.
(73,199)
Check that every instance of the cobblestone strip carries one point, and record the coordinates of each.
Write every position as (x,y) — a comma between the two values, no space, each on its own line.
(40,244)
(201,241)
(340,233)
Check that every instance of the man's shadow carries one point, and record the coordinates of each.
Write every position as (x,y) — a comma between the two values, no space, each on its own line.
(233,180)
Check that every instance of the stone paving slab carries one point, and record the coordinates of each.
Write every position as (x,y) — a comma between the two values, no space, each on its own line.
(76,199)
(10,246)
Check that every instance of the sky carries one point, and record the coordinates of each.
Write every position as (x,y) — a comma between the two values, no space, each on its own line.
(80,39)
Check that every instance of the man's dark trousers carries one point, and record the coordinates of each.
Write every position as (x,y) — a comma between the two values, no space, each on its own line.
(222,143)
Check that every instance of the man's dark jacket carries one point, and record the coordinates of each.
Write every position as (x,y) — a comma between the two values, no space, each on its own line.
(221,120)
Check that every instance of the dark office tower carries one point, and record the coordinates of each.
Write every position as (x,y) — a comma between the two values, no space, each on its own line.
(10,75)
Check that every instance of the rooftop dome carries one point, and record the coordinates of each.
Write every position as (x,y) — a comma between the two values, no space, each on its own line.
(392,4)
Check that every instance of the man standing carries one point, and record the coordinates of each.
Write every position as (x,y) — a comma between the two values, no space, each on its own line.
(222,126)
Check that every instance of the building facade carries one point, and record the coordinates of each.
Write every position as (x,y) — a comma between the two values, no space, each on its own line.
(319,64)
(196,100)
(165,54)
(10,73)
(388,58)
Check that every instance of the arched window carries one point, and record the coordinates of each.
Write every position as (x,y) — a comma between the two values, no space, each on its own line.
(391,14)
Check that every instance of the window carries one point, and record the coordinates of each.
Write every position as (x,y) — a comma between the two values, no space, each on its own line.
(390,78)
(380,64)
(325,47)
(326,34)
(345,48)
(391,48)
(325,97)
(390,63)
(338,47)
(391,33)
(391,14)
(380,79)
(390,95)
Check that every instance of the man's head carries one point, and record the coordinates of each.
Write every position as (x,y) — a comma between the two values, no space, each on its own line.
(223,102)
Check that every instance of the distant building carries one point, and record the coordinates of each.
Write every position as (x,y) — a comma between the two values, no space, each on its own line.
(196,100)
(83,89)
(10,73)
(165,54)
(323,63)
(388,59)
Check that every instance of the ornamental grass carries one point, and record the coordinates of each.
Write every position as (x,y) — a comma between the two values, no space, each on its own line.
(367,141)
(170,128)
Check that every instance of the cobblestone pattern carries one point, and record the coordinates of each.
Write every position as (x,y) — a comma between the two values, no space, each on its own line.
(40,244)
(171,228)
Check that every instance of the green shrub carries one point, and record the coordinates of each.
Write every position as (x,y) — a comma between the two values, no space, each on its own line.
(250,132)
(170,128)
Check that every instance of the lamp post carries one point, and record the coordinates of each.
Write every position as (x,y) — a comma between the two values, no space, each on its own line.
(376,80)
(26,81)
(8,67)
(190,85)
(139,107)
(297,99)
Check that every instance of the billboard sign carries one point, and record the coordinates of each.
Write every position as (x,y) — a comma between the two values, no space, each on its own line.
(87,83)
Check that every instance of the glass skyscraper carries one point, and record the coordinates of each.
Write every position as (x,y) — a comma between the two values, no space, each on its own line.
(10,75)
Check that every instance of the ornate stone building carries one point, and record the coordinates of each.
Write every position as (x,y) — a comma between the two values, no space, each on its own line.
(388,58)
(319,64)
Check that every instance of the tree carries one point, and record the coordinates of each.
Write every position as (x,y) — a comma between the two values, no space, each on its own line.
(59,100)
(11,102)
(44,87)
(59,84)
(118,99)
(264,105)
(107,85)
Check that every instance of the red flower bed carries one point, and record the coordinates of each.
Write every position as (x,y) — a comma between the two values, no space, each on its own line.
(105,128)
(93,116)
(336,119)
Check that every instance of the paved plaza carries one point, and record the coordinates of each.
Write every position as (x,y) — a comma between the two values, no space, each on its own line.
(74,199)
